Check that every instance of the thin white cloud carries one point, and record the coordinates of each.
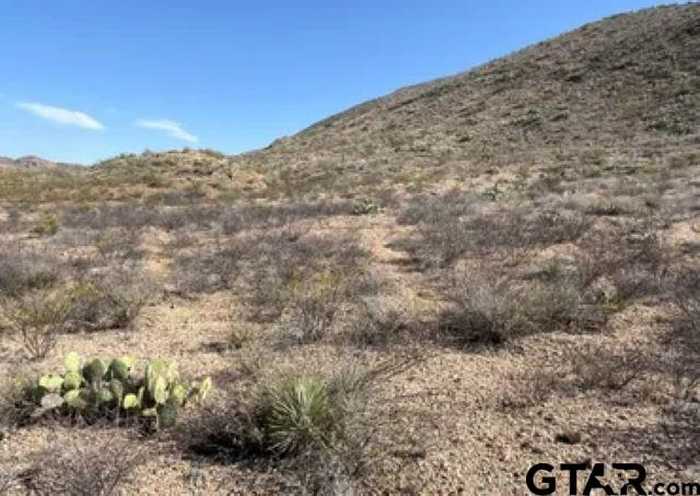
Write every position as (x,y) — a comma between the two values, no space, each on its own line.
(172,128)
(61,115)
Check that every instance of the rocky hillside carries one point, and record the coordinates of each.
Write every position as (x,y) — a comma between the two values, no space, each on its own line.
(625,89)
(621,94)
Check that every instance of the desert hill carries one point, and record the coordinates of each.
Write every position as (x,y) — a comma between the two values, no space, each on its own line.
(624,91)
(426,294)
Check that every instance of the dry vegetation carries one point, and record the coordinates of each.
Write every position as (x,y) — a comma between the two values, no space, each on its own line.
(424,295)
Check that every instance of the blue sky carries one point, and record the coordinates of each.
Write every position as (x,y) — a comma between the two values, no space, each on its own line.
(86,80)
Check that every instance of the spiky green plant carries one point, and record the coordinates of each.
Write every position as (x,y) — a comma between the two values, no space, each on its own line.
(296,414)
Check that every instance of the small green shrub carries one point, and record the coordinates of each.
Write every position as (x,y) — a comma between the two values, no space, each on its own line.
(103,388)
(47,225)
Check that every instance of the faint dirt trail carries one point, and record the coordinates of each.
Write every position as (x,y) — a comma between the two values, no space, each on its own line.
(395,266)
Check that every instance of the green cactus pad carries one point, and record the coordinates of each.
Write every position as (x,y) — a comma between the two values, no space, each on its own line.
(94,370)
(72,380)
(72,362)
(149,412)
(51,383)
(74,399)
(131,402)
(159,392)
(121,368)
(104,395)
(117,389)
(178,394)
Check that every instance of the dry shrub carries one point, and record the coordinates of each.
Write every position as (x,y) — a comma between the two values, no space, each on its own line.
(315,306)
(457,225)
(207,271)
(683,338)
(84,469)
(534,387)
(111,300)
(120,244)
(635,261)
(379,321)
(35,321)
(317,429)
(490,310)
(24,269)
(8,481)
(281,263)
(600,367)
(16,402)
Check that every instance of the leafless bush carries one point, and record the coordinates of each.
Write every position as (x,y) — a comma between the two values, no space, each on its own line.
(683,338)
(84,470)
(599,367)
(378,322)
(314,308)
(109,216)
(8,481)
(282,263)
(111,299)
(455,225)
(36,320)
(236,219)
(24,269)
(206,271)
(120,244)
(534,387)
(16,402)
(492,311)
(635,262)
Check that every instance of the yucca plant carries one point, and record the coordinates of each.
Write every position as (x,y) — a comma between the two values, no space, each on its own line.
(296,414)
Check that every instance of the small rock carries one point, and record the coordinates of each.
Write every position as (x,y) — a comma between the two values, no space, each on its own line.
(568,437)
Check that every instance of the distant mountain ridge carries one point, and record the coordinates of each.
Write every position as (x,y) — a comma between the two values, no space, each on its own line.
(30,162)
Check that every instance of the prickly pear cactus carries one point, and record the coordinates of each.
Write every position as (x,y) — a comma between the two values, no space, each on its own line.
(103,388)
